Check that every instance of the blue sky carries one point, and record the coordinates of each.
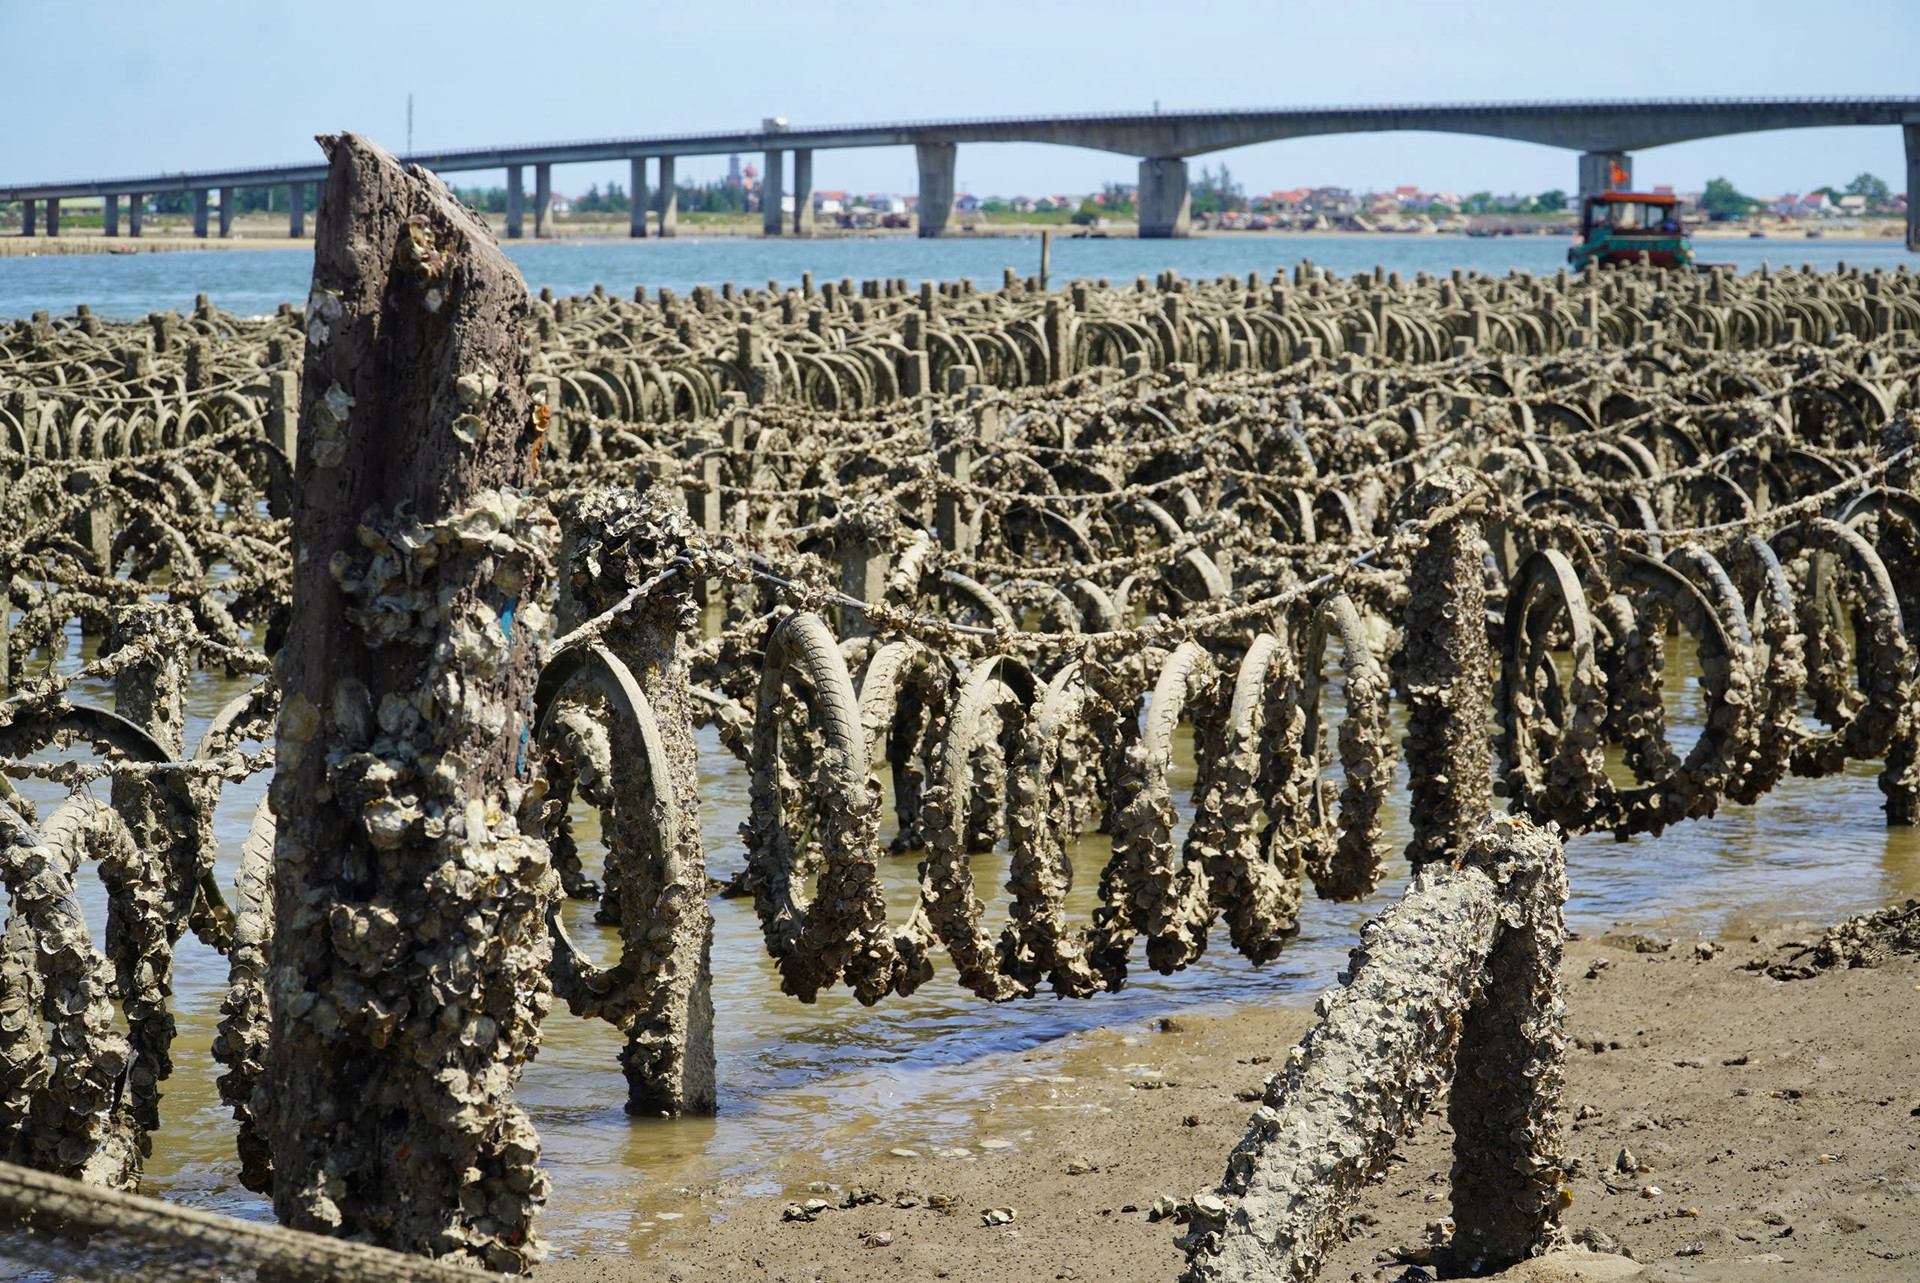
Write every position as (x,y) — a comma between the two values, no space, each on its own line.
(99,89)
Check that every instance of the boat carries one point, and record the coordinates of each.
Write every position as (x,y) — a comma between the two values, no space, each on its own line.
(1620,228)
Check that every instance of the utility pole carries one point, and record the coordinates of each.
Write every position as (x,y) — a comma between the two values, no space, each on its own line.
(409,124)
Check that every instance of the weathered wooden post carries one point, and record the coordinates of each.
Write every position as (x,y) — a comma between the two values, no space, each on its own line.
(409,965)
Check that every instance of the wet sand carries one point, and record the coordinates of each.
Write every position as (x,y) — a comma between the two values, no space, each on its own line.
(1772,1129)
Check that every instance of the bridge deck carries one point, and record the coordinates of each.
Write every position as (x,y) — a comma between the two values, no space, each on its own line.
(1619,125)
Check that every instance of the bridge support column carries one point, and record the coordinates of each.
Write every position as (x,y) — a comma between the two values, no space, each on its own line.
(669,199)
(136,212)
(803,191)
(542,201)
(773,183)
(53,216)
(1165,206)
(637,194)
(1604,171)
(936,186)
(1911,133)
(29,214)
(228,202)
(201,199)
(110,220)
(297,210)
(516,198)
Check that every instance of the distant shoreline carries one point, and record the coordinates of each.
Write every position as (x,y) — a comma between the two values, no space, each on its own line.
(90,241)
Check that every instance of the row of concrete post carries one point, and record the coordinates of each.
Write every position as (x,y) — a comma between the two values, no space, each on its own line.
(137,210)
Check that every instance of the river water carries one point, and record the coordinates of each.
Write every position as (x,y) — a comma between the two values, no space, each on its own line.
(248,282)
(842,1083)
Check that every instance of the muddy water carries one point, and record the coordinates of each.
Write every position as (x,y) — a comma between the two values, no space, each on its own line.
(835,1083)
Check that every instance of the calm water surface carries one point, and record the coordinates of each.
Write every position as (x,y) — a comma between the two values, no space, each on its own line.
(254,281)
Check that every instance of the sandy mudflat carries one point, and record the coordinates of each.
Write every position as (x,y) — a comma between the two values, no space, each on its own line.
(1778,1121)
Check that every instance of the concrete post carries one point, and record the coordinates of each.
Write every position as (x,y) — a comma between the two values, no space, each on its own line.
(111,223)
(1604,171)
(136,212)
(803,191)
(227,202)
(53,216)
(669,199)
(542,200)
(1447,675)
(28,209)
(772,183)
(297,210)
(92,526)
(201,199)
(1911,133)
(936,186)
(283,411)
(637,192)
(661,995)
(516,199)
(1165,206)
(953,510)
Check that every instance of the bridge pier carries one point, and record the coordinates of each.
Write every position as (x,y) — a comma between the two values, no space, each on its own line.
(1911,135)
(542,200)
(29,215)
(53,216)
(516,198)
(227,210)
(110,216)
(773,182)
(637,193)
(1598,170)
(297,210)
(803,191)
(936,186)
(1166,208)
(669,199)
(136,212)
(201,198)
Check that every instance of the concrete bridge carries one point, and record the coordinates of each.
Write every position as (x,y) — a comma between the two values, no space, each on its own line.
(1605,134)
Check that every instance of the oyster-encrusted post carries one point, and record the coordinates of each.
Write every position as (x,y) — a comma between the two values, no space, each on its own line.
(619,540)
(1509,1132)
(1447,671)
(409,965)
(151,877)
(1352,1089)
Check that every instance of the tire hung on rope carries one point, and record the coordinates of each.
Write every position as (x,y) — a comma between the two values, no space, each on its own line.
(1253,873)
(1344,862)
(1148,888)
(1043,817)
(840,931)
(1779,663)
(648,887)
(996,696)
(1846,582)
(1548,747)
